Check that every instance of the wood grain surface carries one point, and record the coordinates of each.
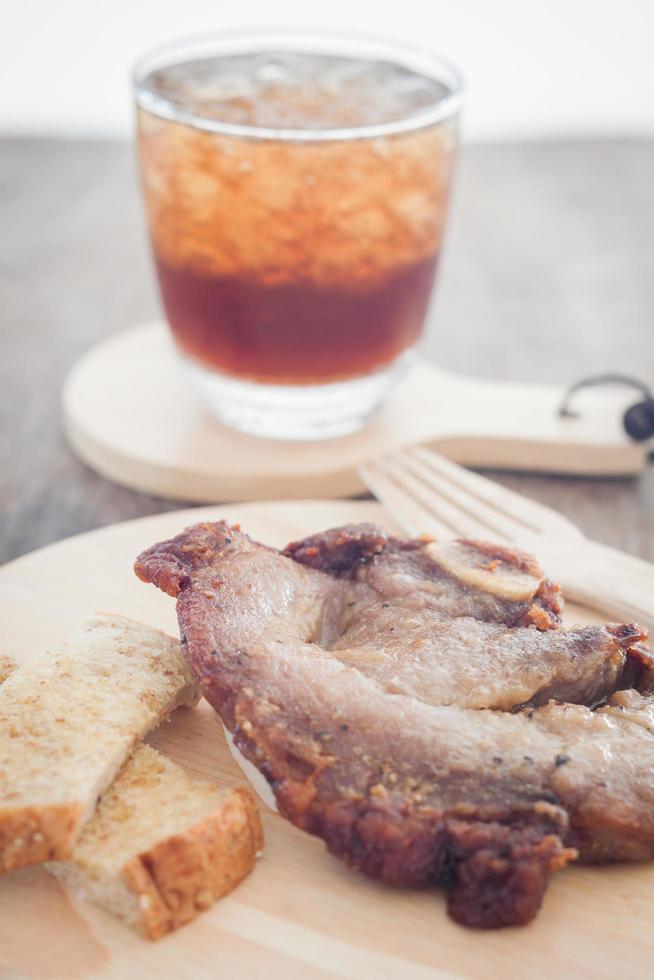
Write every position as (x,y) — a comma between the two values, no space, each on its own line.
(301,913)
(548,275)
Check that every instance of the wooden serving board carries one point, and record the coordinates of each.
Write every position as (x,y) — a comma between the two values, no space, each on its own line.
(131,414)
(301,913)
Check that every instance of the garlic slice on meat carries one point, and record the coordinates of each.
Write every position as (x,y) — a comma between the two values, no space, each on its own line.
(471,566)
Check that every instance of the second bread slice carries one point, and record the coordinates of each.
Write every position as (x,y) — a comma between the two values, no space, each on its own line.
(69,719)
(162,846)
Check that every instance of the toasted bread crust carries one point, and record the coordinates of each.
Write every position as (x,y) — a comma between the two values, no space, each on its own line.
(33,834)
(186,873)
(7,666)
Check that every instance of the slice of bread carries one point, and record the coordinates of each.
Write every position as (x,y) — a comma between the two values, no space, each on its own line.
(162,846)
(69,719)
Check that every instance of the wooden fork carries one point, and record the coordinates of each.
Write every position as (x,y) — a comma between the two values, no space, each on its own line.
(427,494)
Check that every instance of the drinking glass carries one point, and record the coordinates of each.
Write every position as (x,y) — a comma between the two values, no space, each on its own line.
(296,187)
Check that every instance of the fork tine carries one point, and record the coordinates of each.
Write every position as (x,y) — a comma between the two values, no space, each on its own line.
(469,512)
(411,516)
(436,500)
(534,518)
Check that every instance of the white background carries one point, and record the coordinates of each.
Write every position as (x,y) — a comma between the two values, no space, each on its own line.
(534,67)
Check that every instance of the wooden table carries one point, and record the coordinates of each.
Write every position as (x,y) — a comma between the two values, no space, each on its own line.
(548,275)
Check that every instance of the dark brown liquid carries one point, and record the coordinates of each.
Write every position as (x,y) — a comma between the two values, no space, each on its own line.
(296,333)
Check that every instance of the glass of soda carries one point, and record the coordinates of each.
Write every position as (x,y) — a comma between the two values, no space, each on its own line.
(296,187)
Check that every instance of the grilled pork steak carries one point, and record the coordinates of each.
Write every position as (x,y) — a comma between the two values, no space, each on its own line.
(356,671)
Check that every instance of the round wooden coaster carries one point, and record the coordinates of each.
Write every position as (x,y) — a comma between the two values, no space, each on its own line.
(132,415)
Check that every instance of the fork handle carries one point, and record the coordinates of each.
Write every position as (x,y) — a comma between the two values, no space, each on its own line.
(633,581)
(606,579)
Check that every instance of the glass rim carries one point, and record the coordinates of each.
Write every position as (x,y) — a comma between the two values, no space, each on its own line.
(433,65)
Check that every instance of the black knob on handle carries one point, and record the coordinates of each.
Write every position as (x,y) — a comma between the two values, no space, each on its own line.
(639,420)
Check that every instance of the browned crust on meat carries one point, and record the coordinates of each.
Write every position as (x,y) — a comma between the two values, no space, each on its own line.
(639,668)
(340,550)
(630,635)
(168,565)
(186,873)
(545,610)
(501,870)
(33,834)
(495,861)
